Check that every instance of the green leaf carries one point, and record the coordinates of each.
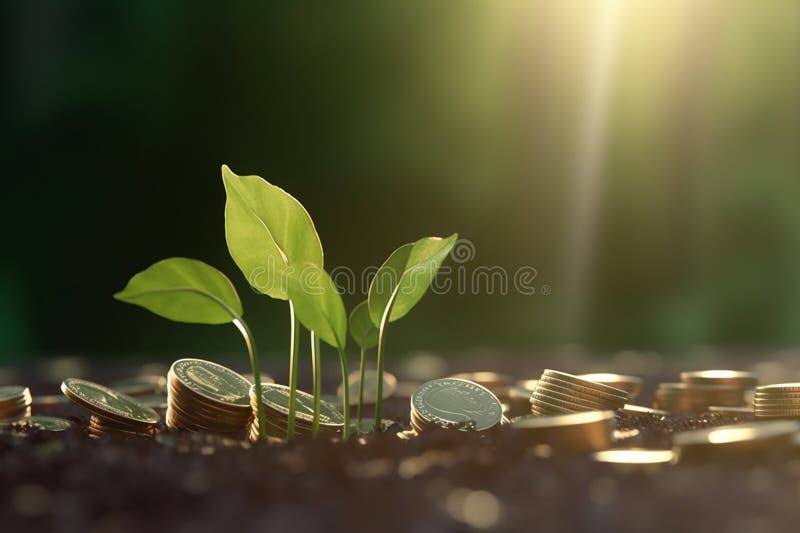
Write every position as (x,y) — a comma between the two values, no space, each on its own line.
(184,290)
(409,271)
(361,327)
(318,304)
(267,229)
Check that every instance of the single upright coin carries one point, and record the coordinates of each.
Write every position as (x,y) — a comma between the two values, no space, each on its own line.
(453,403)
(630,384)
(15,401)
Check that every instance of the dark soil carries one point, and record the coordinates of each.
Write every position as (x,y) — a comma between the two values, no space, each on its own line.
(195,483)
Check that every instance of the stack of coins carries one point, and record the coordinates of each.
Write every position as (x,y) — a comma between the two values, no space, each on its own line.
(699,390)
(778,401)
(452,403)
(207,397)
(275,400)
(15,401)
(736,440)
(561,393)
(630,384)
(573,433)
(113,413)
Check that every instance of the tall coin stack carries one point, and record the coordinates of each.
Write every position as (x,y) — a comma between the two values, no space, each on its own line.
(456,404)
(700,390)
(113,413)
(275,400)
(207,397)
(559,393)
(15,401)
(778,401)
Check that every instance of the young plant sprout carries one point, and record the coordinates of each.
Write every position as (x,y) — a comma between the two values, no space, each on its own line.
(188,290)
(320,309)
(365,334)
(269,232)
(398,285)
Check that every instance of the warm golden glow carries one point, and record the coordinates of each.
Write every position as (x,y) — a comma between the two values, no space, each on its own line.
(634,456)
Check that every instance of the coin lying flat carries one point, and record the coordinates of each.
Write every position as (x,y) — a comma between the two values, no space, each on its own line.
(697,398)
(15,401)
(573,433)
(781,400)
(44,423)
(275,400)
(630,384)
(108,403)
(737,439)
(641,409)
(203,396)
(370,386)
(453,403)
(634,456)
(736,378)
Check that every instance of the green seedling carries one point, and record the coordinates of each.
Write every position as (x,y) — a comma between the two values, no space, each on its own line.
(188,290)
(398,286)
(269,233)
(365,333)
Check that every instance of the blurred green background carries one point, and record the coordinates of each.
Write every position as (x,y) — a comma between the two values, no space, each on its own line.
(644,157)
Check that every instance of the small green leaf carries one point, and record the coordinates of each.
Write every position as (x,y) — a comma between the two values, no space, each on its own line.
(184,290)
(318,304)
(409,271)
(267,229)
(361,327)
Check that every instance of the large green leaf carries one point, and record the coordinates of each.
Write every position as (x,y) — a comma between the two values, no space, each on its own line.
(361,327)
(267,229)
(409,272)
(184,290)
(318,304)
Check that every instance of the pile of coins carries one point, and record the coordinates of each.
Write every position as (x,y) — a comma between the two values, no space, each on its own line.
(781,400)
(204,396)
(15,401)
(113,413)
(453,403)
(702,389)
(560,393)
(275,400)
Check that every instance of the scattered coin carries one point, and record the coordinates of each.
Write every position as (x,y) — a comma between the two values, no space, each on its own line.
(630,384)
(573,433)
(275,399)
(44,423)
(454,403)
(370,386)
(697,398)
(781,400)
(735,440)
(15,401)
(634,456)
(740,412)
(560,393)
(493,381)
(735,378)
(207,397)
(113,412)
(141,385)
(641,409)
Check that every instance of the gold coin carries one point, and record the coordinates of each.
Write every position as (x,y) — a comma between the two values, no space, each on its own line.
(583,432)
(212,381)
(731,411)
(641,409)
(585,383)
(453,401)
(737,378)
(742,438)
(587,400)
(630,384)
(634,456)
(615,398)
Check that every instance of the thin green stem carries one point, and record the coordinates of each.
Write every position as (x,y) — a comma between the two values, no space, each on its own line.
(255,366)
(316,361)
(294,350)
(381,344)
(361,369)
(346,395)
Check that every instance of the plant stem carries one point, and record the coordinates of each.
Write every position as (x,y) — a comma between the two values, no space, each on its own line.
(316,361)
(361,370)
(293,363)
(381,341)
(255,367)
(346,395)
